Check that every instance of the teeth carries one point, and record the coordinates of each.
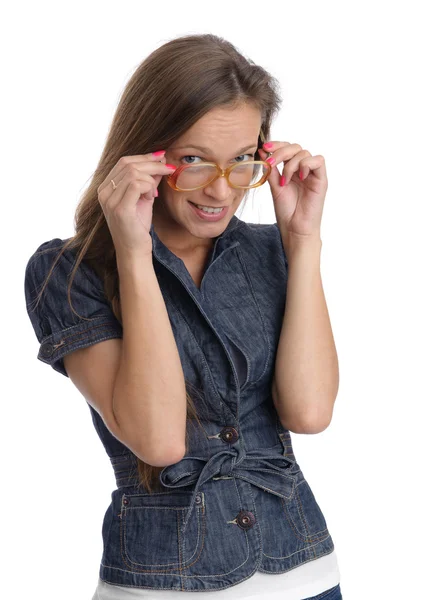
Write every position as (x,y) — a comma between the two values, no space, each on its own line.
(210,210)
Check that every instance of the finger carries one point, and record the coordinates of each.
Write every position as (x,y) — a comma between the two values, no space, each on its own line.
(282,152)
(285,151)
(316,165)
(126,160)
(273,178)
(271,146)
(293,165)
(145,184)
(137,190)
(138,170)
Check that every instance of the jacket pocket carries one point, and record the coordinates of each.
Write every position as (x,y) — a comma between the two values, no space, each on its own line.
(150,531)
(304,514)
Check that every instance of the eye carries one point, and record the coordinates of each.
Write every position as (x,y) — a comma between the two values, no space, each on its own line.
(249,157)
(188,156)
(188,162)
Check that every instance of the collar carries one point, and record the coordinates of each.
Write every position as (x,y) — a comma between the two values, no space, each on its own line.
(224,242)
(233,223)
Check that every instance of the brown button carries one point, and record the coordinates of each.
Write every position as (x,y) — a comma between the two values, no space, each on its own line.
(229,435)
(47,349)
(245,519)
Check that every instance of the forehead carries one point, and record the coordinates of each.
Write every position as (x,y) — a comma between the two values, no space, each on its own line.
(223,129)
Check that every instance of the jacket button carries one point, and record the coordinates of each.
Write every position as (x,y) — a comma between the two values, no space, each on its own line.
(229,435)
(245,519)
(125,500)
(198,499)
(47,349)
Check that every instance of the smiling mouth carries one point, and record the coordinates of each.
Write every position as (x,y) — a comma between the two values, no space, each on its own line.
(207,206)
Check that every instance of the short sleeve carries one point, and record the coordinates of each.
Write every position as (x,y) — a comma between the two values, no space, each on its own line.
(58,329)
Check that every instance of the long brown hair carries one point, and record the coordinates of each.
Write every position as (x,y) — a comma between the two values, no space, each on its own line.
(169,91)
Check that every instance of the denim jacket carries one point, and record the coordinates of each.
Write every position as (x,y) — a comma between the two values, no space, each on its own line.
(238,501)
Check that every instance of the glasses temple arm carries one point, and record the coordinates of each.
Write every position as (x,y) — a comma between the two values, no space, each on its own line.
(263,142)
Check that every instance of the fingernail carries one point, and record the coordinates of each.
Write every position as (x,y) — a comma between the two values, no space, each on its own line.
(159,153)
(156,193)
(283,180)
(170,166)
(271,160)
(301,175)
(268,145)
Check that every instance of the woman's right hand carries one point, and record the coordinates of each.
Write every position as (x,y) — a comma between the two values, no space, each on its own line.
(128,209)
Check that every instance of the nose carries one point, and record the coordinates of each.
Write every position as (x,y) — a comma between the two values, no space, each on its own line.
(220,189)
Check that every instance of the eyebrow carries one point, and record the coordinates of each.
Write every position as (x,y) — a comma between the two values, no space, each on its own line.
(207,150)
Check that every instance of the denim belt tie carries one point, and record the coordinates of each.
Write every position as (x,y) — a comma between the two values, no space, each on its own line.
(264,468)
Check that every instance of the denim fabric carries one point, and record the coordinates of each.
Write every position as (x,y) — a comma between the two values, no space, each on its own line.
(332,594)
(105,591)
(238,501)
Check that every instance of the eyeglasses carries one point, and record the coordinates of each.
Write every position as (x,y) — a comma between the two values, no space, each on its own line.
(246,175)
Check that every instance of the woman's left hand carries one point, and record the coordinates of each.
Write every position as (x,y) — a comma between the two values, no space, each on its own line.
(299,202)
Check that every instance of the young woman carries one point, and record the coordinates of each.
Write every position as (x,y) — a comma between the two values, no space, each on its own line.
(199,341)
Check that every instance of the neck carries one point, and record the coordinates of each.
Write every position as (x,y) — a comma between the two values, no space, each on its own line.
(175,237)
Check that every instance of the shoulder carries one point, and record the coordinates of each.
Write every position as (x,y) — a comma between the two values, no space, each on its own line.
(44,258)
(267,233)
(52,285)
(67,306)
(45,252)
(264,239)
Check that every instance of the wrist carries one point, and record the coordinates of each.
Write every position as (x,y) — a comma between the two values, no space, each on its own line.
(296,243)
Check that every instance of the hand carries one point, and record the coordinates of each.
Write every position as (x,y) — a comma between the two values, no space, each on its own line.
(298,203)
(128,208)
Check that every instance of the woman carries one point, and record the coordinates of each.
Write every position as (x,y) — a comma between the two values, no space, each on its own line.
(177,341)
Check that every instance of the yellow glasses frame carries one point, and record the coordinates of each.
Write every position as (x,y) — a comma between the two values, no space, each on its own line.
(171,179)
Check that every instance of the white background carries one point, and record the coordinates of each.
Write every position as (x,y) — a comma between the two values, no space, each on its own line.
(350,76)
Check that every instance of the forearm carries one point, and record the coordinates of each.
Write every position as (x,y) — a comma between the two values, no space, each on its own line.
(306,375)
(149,396)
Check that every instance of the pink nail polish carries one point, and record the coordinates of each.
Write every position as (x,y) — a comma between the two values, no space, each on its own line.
(268,145)
(301,176)
(283,180)
(271,160)
(159,153)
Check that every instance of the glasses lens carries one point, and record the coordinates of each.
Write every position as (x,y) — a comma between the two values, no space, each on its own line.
(247,175)
(243,175)
(195,176)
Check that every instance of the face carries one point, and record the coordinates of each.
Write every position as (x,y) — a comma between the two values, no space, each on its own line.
(227,136)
